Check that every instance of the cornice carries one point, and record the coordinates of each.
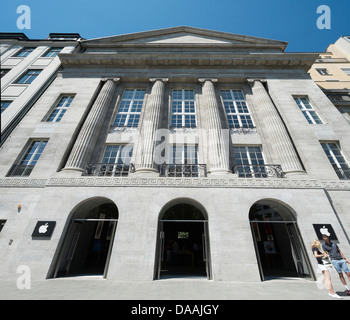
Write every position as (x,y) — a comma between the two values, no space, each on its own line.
(283,60)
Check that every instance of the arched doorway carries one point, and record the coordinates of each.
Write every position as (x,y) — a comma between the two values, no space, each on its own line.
(279,248)
(183,243)
(88,241)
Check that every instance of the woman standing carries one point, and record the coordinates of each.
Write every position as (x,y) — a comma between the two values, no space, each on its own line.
(316,249)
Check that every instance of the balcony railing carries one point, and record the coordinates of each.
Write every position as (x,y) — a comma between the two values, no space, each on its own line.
(20,170)
(108,169)
(183,170)
(258,170)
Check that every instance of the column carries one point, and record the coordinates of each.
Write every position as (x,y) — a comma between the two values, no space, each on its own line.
(88,135)
(275,129)
(218,146)
(149,128)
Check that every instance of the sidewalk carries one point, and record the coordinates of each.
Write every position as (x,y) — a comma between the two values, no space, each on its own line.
(95,288)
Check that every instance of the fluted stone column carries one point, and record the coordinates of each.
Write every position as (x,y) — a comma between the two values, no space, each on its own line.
(88,135)
(275,129)
(149,128)
(218,146)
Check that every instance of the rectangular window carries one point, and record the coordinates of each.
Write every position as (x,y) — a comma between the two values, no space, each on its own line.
(337,160)
(4,71)
(60,108)
(183,110)
(4,105)
(117,153)
(28,77)
(24,52)
(129,111)
(2,223)
(237,112)
(308,110)
(52,52)
(27,162)
(322,71)
(249,162)
(183,162)
(346,70)
(184,154)
(115,161)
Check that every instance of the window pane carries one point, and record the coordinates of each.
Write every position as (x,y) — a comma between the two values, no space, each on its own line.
(183,110)
(237,112)
(130,108)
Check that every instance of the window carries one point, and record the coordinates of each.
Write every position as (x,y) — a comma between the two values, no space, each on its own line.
(2,223)
(115,162)
(236,108)
(4,71)
(130,108)
(26,164)
(117,153)
(28,76)
(308,110)
(52,52)
(184,154)
(60,109)
(183,162)
(183,111)
(346,70)
(323,71)
(337,160)
(24,52)
(4,105)
(249,161)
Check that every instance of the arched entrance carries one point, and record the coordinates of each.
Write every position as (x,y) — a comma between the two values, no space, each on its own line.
(279,248)
(88,240)
(183,244)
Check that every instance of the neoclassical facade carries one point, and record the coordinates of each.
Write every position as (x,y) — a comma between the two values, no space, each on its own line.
(179,152)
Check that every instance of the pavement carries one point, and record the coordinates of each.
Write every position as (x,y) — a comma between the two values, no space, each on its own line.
(97,288)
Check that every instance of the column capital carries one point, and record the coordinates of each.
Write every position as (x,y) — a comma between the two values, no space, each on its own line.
(161,79)
(253,80)
(203,80)
(116,80)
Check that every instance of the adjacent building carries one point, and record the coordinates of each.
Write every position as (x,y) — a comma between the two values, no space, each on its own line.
(28,66)
(331,72)
(179,152)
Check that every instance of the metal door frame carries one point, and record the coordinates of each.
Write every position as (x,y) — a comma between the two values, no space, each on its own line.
(69,249)
(206,247)
(295,225)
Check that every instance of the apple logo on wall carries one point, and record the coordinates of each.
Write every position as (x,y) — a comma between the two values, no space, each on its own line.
(43,229)
(326,229)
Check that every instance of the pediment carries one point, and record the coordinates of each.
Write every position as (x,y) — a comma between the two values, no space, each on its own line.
(185,36)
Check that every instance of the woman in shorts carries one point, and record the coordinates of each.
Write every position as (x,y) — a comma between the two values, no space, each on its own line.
(316,249)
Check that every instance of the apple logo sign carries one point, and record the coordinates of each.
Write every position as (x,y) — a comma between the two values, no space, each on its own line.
(43,229)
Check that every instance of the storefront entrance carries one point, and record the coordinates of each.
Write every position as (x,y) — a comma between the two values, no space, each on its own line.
(88,243)
(183,244)
(279,248)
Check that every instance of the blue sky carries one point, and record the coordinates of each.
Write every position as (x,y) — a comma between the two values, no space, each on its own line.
(293,21)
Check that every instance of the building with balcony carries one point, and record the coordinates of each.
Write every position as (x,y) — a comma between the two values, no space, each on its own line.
(331,72)
(179,152)
(28,66)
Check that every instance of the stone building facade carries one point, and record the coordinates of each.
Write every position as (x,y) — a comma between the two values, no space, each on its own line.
(28,66)
(179,152)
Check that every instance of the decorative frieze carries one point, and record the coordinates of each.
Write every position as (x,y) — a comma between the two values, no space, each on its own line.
(181,182)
